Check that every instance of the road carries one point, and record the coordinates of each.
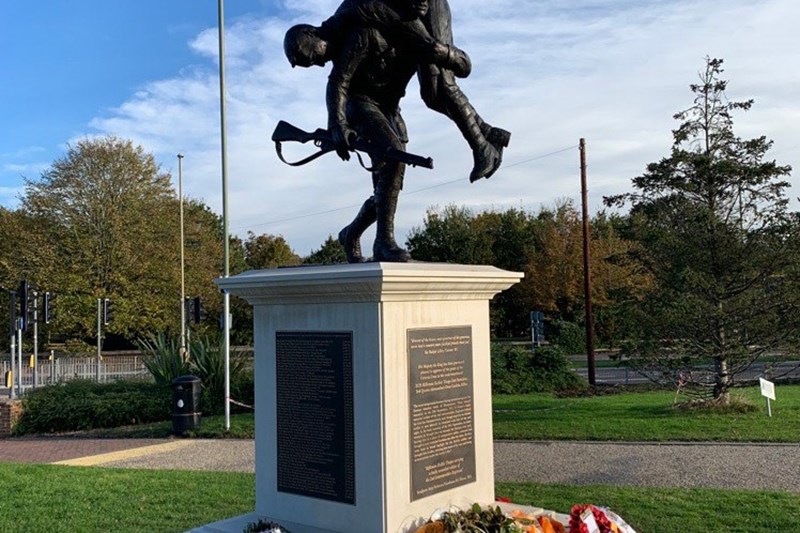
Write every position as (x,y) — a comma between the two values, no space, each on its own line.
(625,376)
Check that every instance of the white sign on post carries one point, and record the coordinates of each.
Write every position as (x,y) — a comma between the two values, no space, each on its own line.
(767,388)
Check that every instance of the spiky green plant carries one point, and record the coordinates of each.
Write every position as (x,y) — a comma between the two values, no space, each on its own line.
(207,362)
(162,358)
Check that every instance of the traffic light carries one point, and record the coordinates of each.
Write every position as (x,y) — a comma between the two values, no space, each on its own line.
(23,303)
(537,327)
(48,312)
(12,313)
(192,308)
(108,311)
(196,309)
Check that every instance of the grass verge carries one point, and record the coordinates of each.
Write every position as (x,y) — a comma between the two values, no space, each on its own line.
(631,416)
(211,427)
(684,510)
(59,498)
(645,416)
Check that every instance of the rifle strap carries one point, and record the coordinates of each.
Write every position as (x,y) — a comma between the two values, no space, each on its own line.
(365,167)
(303,161)
(312,157)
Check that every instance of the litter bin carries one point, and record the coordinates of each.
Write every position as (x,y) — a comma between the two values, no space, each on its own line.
(185,404)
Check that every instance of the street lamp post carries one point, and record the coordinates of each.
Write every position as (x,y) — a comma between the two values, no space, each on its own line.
(183,271)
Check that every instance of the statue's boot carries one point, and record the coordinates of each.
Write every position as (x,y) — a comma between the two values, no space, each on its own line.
(497,136)
(385,247)
(486,160)
(486,156)
(350,236)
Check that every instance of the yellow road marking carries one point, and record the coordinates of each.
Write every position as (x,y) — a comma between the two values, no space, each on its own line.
(91,460)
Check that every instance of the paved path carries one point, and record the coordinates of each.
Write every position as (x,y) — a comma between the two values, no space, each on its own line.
(726,466)
(744,466)
(51,450)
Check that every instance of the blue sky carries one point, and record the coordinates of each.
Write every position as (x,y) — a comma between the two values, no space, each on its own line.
(551,71)
(67,62)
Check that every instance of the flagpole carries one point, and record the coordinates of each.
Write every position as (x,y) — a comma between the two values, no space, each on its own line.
(226,256)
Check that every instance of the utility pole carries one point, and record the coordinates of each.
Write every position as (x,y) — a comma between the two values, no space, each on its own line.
(587,272)
(183,275)
(226,244)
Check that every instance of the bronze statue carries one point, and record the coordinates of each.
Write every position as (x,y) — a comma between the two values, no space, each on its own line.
(426,27)
(376,46)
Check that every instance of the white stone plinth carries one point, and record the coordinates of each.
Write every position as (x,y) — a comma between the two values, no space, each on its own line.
(378,304)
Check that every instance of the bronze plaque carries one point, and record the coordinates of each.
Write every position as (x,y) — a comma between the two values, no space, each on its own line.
(441,409)
(314,391)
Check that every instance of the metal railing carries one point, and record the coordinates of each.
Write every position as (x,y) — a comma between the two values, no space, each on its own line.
(58,369)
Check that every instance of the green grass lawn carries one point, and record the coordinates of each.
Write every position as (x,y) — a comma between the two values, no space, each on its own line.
(645,416)
(38,498)
(650,510)
(631,416)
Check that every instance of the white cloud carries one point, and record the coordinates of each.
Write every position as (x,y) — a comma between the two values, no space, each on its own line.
(9,196)
(20,163)
(611,71)
(27,151)
(29,170)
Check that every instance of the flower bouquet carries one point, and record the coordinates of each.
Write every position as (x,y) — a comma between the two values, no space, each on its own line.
(583,518)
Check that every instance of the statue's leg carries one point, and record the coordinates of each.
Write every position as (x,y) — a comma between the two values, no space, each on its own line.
(387,178)
(486,155)
(441,93)
(439,21)
(386,195)
(350,236)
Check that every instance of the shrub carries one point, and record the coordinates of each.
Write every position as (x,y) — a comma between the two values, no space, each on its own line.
(243,390)
(162,358)
(83,404)
(518,370)
(568,336)
(512,369)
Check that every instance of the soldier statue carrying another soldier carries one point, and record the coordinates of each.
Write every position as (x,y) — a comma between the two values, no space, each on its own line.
(376,47)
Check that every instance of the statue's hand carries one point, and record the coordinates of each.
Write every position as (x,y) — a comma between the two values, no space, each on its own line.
(341,135)
(452,58)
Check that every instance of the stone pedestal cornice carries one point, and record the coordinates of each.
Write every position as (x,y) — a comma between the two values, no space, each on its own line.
(370,282)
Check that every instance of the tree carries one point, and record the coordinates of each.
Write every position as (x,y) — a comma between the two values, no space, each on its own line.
(546,246)
(330,253)
(101,210)
(102,222)
(449,236)
(457,235)
(204,262)
(719,240)
(268,251)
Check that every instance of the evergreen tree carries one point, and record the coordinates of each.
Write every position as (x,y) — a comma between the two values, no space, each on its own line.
(718,238)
